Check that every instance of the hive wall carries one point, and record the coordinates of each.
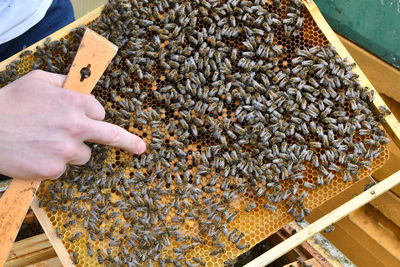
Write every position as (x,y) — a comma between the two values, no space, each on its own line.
(71,199)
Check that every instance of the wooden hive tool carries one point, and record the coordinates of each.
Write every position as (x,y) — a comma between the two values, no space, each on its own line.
(93,56)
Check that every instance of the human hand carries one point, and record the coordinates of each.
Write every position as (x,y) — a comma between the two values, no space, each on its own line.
(43,127)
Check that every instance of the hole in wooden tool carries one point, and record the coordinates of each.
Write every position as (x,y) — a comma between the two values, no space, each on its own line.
(85,72)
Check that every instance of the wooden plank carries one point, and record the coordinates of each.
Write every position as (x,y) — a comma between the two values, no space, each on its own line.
(389,205)
(52,262)
(384,231)
(326,221)
(48,228)
(30,250)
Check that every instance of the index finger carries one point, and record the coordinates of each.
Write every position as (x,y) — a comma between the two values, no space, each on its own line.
(109,134)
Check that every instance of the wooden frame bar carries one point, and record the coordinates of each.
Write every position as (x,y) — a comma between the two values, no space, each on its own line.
(48,228)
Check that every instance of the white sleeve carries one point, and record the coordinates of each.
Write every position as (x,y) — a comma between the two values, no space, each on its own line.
(18,16)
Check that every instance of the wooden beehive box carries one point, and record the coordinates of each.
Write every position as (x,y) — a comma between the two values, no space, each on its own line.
(319,29)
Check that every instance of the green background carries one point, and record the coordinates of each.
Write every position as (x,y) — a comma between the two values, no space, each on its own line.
(372,24)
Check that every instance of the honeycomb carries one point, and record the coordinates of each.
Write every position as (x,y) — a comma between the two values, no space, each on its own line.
(211,184)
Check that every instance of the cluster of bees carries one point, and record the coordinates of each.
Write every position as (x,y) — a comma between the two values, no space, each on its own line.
(227,111)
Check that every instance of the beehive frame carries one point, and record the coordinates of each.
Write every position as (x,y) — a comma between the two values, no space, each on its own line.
(391,121)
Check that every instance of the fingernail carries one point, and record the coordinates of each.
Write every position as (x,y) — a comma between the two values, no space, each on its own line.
(141,147)
(61,174)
